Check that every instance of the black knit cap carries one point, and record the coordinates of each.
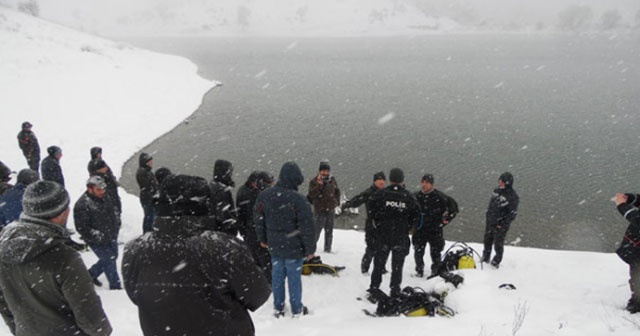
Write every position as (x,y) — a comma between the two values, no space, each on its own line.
(379,176)
(45,199)
(183,195)
(53,150)
(26,125)
(507,178)
(27,176)
(428,178)
(99,164)
(324,165)
(396,175)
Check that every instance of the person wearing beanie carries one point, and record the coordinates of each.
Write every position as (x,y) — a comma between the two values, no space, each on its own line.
(186,279)
(629,249)
(394,211)
(11,201)
(96,219)
(437,209)
(379,182)
(284,224)
(245,200)
(40,273)
(50,167)
(502,210)
(162,174)
(221,206)
(28,143)
(96,154)
(148,189)
(5,177)
(324,195)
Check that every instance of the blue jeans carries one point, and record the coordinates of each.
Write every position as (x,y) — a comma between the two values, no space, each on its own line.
(149,217)
(291,269)
(107,256)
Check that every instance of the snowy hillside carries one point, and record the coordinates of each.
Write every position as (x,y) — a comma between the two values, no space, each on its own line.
(80,91)
(335,17)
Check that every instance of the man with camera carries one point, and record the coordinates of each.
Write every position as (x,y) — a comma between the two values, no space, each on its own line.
(324,195)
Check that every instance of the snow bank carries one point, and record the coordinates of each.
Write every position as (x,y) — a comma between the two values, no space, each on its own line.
(80,91)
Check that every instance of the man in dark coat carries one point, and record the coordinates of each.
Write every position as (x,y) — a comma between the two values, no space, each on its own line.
(379,182)
(5,177)
(221,205)
(96,155)
(50,168)
(284,224)
(245,201)
(11,201)
(148,189)
(394,212)
(185,279)
(96,220)
(29,145)
(435,212)
(102,169)
(324,194)
(502,210)
(629,250)
(45,288)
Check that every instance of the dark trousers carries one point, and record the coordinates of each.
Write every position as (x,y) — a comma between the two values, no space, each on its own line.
(262,257)
(369,252)
(34,163)
(107,256)
(494,237)
(149,217)
(436,245)
(398,254)
(325,221)
(634,282)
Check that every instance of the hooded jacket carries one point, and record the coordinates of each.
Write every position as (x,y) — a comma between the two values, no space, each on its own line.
(283,217)
(187,281)
(146,180)
(503,207)
(221,205)
(46,288)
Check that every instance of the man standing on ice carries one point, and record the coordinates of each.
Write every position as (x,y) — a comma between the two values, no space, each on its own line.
(379,182)
(45,286)
(148,189)
(502,210)
(629,250)
(29,145)
(284,224)
(394,211)
(325,197)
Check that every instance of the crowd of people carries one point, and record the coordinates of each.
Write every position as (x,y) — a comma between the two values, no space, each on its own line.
(189,271)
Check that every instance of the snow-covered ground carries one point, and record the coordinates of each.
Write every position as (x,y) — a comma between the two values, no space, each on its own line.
(80,91)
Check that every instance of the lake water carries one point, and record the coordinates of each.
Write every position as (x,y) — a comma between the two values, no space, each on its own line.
(560,112)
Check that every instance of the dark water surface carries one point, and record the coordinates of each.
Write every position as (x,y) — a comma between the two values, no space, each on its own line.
(560,112)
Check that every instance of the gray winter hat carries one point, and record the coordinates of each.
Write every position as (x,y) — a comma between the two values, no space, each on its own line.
(27,176)
(45,199)
(97,181)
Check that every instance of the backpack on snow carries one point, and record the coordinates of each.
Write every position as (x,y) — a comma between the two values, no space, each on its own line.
(315,266)
(458,256)
(412,301)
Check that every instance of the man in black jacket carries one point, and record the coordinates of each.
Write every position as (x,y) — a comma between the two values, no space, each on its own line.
(502,210)
(394,212)
(379,182)
(284,224)
(435,213)
(96,220)
(29,145)
(148,189)
(221,205)
(186,280)
(5,177)
(245,201)
(50,168)
(45,288)
(629,250)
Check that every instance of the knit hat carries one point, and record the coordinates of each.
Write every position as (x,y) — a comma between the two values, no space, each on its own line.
(379,176)
(45,199)
(99,164)
(396,175)
(507,178)
(27,176)
(161,174)
(324,165)
(53,150)
(183,195)
(26,125)
(97,181)
(428,178)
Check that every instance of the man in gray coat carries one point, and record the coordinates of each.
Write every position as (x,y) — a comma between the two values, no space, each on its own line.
(45,288)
